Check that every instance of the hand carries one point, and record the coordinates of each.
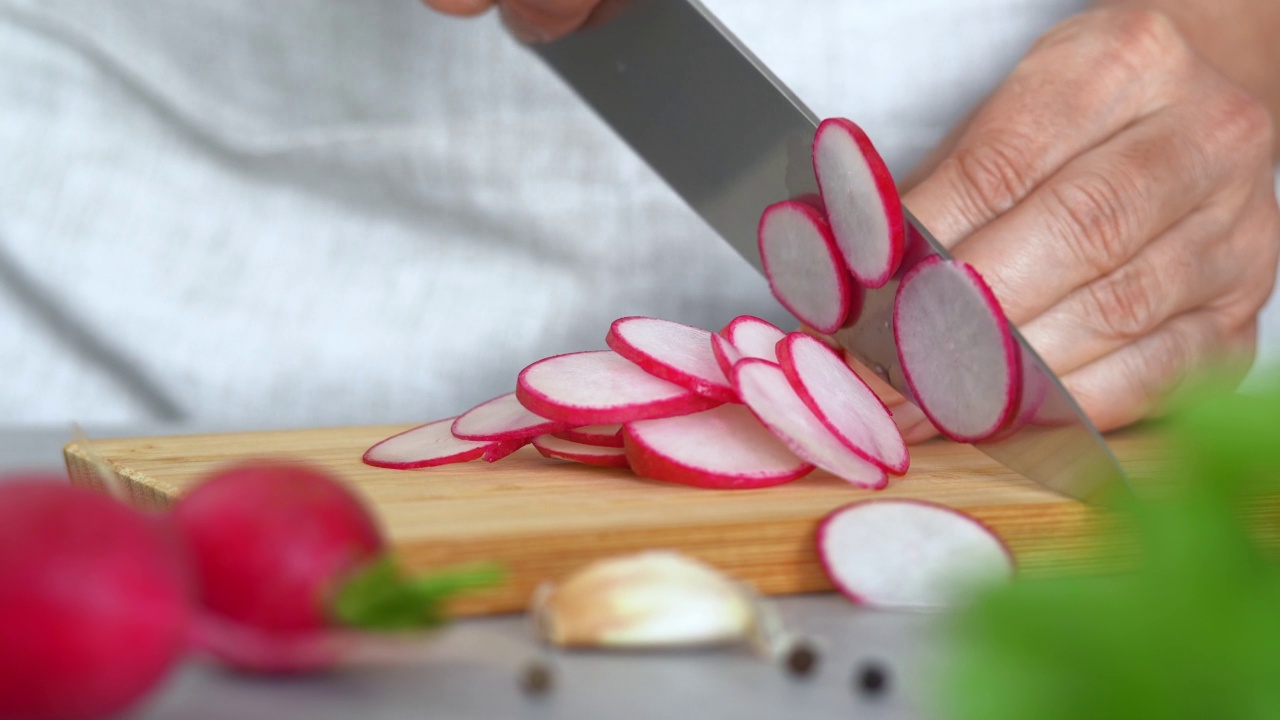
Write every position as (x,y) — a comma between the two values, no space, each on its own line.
(528,20)
(1117,194)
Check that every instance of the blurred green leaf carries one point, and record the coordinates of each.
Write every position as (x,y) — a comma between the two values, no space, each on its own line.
(380,597)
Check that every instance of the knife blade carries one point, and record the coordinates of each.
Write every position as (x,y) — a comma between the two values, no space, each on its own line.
(730,138)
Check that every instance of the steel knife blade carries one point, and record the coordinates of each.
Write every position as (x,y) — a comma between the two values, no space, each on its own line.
(731,139)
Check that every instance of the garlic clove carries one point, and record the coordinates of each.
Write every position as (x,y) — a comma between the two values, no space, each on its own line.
(650,599)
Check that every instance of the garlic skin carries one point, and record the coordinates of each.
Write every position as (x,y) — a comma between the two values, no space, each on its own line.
(651,599)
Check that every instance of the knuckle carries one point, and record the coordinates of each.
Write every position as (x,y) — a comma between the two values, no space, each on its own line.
(995,173)
(1093,214)
(1242,124)
(1140,39)
(1125,305)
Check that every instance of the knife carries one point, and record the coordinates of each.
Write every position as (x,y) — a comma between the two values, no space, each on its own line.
(731,139)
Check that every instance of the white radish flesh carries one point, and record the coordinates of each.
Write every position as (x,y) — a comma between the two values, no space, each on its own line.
(842,401)
(676,353)
(502,418)
(861,201)
(434,444)
(725,353)
(601,387)
(560,449)
(725,447)
(909,554)
(957,352)
(766,390)
(753,337)
(598,435)
(805,269)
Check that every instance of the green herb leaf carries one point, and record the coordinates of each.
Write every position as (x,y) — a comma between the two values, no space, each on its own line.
(380,597)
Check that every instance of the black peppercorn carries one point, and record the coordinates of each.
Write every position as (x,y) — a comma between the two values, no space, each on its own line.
(872,679)
(802,659)
(536,679)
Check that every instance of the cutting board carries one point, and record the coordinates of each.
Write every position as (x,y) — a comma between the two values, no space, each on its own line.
(543,518)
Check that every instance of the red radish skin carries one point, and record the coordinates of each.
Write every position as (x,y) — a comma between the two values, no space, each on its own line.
(725,353)
(270,543)
(502,418)
(434,444)
(909,554)
(598,435)
(804,266)
(861,199)
(843,402)
(676,353)
(765,389)
(94,602)
(957,352)
(558,448)
(599,387)
(753,337)
(724,448)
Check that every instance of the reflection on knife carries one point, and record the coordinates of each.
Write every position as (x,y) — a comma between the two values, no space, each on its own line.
(731,139)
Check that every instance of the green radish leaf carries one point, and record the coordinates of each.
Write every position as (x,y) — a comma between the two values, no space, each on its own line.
(381,597)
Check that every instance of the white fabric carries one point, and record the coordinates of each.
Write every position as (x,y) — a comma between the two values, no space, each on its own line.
(313,212)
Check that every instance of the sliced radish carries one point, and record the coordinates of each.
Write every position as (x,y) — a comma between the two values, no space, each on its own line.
(862,201)
(805,269)
(676,353)
(502,418)
(560,449)
(725,447)
(598,435)
(753,337)
(725,353)
(909,553)
(600,387)
(842,401)
(958,354)
(434,444)
(765,389)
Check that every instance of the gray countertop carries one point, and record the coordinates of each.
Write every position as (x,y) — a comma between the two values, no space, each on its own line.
(472,669)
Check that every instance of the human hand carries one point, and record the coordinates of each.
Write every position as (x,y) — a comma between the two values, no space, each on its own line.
(1117,194)
(528,20)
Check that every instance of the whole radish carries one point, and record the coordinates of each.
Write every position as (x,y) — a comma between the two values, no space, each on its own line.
(272,542)
(94,602)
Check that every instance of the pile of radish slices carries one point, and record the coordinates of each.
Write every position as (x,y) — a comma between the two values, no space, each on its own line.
(747,407)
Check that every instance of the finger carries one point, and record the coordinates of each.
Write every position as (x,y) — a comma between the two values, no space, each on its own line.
(465,8)
(1128,384)
(1095,214)
(1205,257)
(544,20)
(1082,83)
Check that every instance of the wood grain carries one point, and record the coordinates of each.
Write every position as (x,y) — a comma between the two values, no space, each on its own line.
(543,518)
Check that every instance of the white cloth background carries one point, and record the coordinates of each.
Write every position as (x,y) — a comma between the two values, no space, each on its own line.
(314,212)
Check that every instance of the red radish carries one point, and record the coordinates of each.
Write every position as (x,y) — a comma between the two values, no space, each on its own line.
(958,354)
(765,389)
(94,602)
(598,435)
(247,648)
(599,387)
(560,449)
(842,401)
(725,447)
(862,201)
(502,418)
(725,353)
(435,444)
(1031,399)
(909,553)
(272,542)
(753,337)
(805,269)
(857,299)
(676,353)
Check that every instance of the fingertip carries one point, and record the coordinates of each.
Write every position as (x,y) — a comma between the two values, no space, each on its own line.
(460,8)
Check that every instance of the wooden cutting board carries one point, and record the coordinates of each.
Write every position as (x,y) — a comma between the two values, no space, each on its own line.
(543,518)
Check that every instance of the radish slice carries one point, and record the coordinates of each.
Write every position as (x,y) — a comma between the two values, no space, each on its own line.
(676,353)
(560,449)
(805,269)
(600,387)
(434,444)
(725,353)
(598,435)
(842,401)
(725,448)
(958,354)
(765,389)
(753,337)
(861,200)
(502,418)
(909,553)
